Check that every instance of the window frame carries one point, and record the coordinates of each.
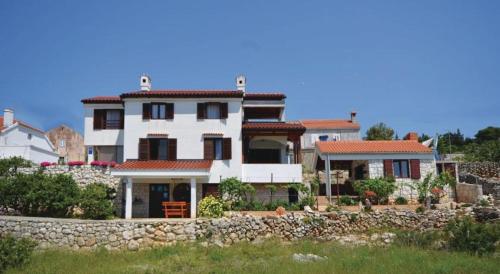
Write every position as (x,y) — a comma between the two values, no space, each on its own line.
(215,106)
(399,164)
(158,112)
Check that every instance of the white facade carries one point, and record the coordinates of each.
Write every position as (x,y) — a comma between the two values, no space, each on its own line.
(22,141)
(311,136)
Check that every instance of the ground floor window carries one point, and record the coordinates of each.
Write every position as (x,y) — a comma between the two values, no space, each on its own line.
(109,154)
(401,168)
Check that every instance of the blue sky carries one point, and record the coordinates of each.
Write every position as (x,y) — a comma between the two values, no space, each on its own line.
(425,66)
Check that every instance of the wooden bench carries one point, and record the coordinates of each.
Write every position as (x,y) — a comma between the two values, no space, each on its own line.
(175,209)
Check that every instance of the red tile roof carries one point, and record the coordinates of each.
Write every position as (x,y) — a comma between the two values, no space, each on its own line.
(162,164)
(22,124)
(103,100)
(329,124)
(264,96)
(184,94)
(371,147)
(273,126)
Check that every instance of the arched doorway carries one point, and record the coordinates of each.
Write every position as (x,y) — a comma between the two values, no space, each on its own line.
(182,193)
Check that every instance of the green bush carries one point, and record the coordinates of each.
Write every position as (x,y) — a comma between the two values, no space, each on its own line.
(39,194)
(420,209)
(96,201)
(347,201)
(275,204)
(401,201)
(383,187)
(211,207)
(9,166)
(475,238)
(14,252)
(422,239)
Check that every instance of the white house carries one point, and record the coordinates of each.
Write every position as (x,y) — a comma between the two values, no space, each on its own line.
(177,145)
(20,139)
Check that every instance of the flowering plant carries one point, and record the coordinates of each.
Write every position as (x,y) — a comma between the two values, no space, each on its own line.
(76,163)
(45,164)
(370,194)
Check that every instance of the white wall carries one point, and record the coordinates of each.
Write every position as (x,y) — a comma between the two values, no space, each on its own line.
(100,137)
(188,131)
(345,134)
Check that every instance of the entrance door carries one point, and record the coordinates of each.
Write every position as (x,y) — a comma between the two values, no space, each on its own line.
(158,193)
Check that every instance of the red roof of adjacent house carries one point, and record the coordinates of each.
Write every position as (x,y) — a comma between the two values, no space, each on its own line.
(184,94)
(369,147)
(264,96)
(273,126)
(329,124)
(20,123)
(103,100)
(163,164)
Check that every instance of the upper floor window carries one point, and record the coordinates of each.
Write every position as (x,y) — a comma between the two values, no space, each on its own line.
(323,138)
(108,118)
(157,111)
(157,149)
(400,168)
(62,143)
(212,110)
(217,149)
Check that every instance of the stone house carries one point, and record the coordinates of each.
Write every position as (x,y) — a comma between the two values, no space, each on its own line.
(68,143)
(406,160)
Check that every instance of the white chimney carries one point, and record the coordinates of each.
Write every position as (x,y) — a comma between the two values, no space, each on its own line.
(241,83)
(353,117)
(8,117)
(145,82)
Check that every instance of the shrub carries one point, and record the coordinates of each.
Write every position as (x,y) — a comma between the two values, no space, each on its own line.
(14,252)
(45,164)
(210,207)
(275,204)
(420,209)
(422,239)
(331,208)
(9,166)
(96,201)
(382,187)
(484,202)
(346,200)
(475,238)
(401,201)
(231,190)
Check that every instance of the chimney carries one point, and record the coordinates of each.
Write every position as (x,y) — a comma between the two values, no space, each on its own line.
(145,83)
(8,117)
(411,136)
(353,117)
(241,82)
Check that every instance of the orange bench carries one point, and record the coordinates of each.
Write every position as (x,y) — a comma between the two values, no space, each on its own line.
(175,209)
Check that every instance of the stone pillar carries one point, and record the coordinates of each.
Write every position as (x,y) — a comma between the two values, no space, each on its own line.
(128,198)
(193,198)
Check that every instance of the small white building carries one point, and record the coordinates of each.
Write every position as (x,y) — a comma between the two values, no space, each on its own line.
(20,139)
(177,145)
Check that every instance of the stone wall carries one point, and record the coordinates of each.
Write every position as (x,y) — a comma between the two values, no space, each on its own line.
(136,234)
(469,193)
(481,169)
(83,175)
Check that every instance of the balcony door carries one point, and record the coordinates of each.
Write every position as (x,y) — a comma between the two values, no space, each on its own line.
(158,193)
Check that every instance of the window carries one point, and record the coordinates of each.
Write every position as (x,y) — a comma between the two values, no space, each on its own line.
(213,111)
(400,168)
(217,148)
(30,136)
(158,111)
(108,118)
(158,149)
(323,138)
(62,143)
(336,137)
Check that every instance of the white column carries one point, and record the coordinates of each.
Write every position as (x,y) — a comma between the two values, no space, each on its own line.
(193,197)
(128,198)
(328,178)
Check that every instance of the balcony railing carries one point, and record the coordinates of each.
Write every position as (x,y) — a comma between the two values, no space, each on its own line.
(272,173)
(112,124)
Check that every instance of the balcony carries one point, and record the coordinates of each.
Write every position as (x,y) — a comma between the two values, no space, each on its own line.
(272,173)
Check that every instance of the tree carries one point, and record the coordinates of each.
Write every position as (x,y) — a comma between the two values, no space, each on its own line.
(379,131)
(423,137)
(488,134)
(272,189)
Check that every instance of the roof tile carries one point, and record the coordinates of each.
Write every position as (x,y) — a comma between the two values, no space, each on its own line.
(103,100)
(163,164)
(329,124)
(371,147)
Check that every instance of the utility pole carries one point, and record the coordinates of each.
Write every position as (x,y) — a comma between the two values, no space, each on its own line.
(338,175)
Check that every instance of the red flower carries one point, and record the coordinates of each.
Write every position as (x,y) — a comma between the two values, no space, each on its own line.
(112,164)
(95,163)
(369,194)
(45,164)
(436,191)
(76,163)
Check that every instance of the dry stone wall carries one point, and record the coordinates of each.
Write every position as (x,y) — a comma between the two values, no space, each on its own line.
(144,233)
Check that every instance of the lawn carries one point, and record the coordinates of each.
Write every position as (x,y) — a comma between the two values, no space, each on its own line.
(269,257)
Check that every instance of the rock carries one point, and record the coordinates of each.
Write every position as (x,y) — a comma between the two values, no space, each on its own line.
(308,209)
(305,258)
(133,245)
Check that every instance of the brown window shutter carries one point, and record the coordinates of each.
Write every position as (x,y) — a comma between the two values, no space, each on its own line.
(208,149)
(172,149)
(415,168)
(226,149)
(146,111)
(122,118)
(388,172)
(169,111)
(223,110)
(143,149)
(202,110)
(99,115)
